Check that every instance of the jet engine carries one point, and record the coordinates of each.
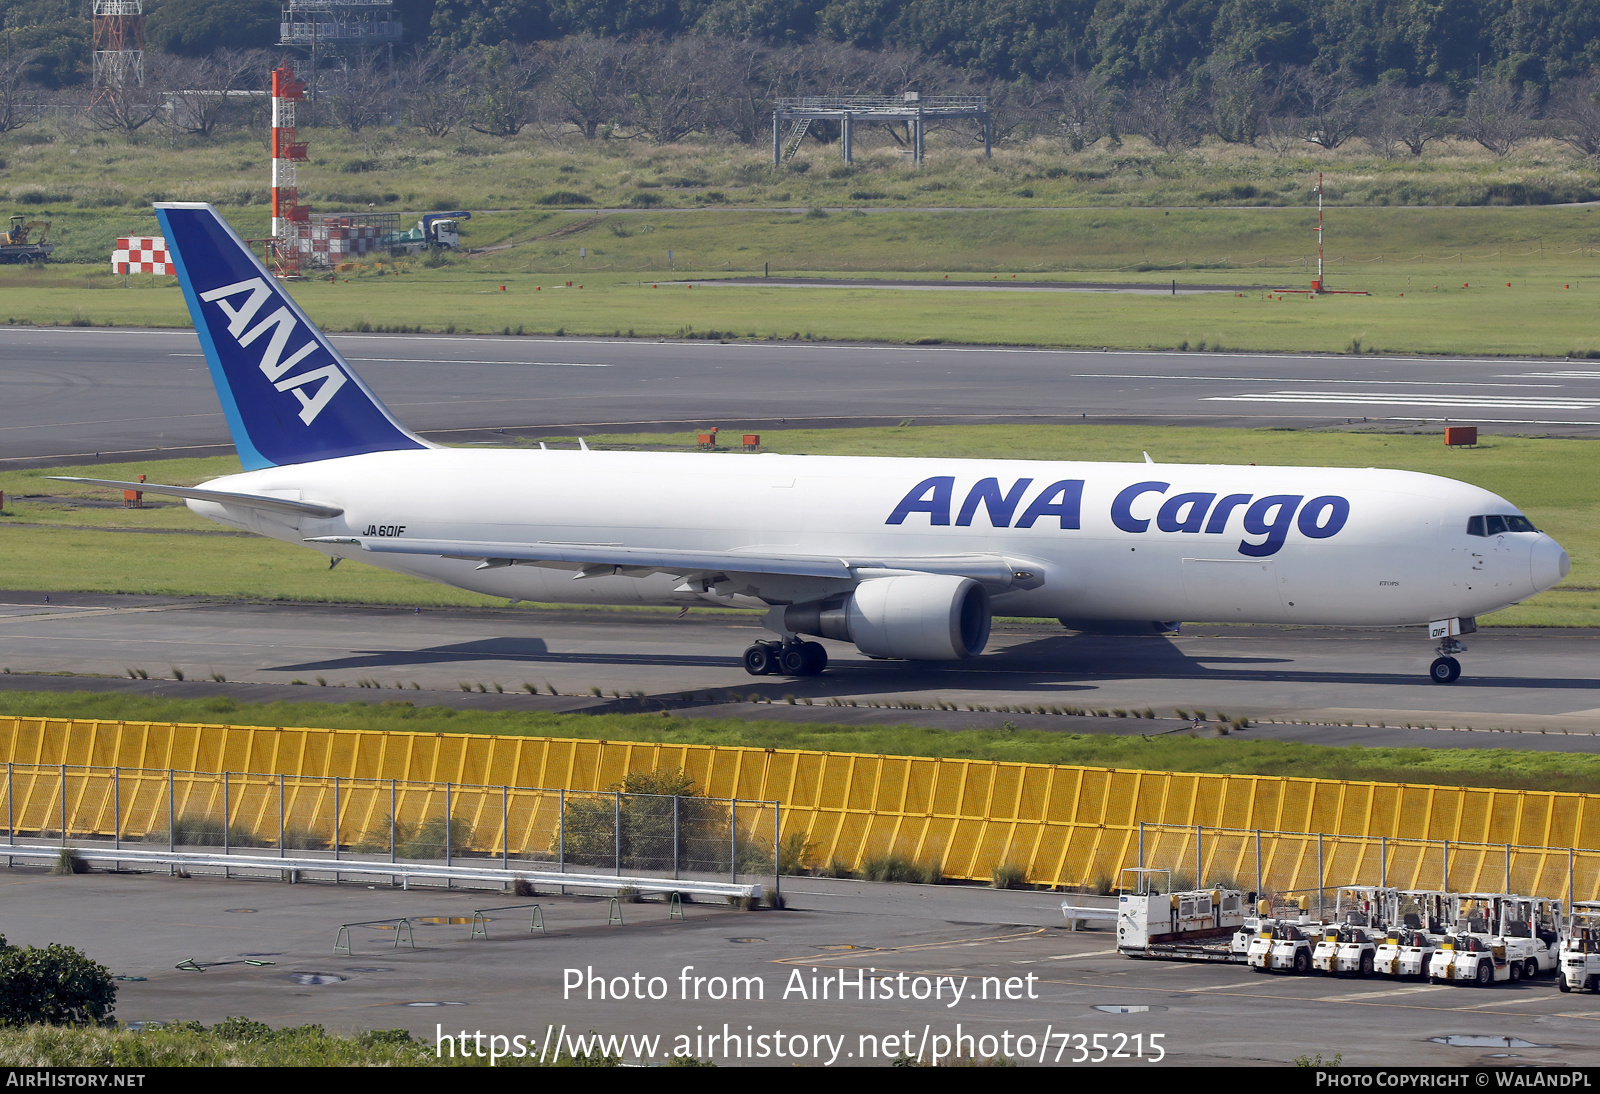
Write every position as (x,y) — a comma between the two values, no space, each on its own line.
(916,617)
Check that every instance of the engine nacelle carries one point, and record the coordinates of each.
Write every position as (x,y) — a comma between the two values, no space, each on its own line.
(917,617)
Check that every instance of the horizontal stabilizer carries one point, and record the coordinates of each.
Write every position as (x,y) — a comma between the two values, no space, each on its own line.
(221,497)
(992,570)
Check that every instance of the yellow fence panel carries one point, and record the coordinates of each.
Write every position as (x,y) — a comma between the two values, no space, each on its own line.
(1064,824)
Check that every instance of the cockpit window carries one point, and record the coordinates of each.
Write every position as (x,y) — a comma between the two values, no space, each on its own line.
(1498,525)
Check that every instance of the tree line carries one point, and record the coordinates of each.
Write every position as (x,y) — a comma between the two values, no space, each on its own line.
(1456,44)
(660,89)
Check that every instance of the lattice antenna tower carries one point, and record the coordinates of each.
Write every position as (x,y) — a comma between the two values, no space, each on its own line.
(289,217)
(118,44)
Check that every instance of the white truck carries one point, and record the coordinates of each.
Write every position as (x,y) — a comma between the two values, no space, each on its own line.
(1349,944)
(1194,925)
(1498,937)
(1411,941)
(1284,939)
(1580,949)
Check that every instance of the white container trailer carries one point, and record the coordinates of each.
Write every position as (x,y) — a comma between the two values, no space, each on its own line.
(1194,924)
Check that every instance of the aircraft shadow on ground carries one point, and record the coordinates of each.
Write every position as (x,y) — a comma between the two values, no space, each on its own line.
(1047,666)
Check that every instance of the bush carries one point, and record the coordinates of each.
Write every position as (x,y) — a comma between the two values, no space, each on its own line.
(1008,875)
(897,867)
(566,197)
(56,985)
(428,840)
(641,825)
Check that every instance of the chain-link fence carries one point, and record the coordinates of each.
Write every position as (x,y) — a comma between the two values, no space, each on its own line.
(687,837)
(1316,864)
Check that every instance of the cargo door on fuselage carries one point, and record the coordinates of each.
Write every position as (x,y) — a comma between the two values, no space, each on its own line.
(1221,590)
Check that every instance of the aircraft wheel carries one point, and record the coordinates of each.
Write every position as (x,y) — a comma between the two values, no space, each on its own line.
(1485,974)
(792,661)
(816,656)
(1444,670)
(759,660)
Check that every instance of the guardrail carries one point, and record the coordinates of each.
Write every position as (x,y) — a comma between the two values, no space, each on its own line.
(425,831)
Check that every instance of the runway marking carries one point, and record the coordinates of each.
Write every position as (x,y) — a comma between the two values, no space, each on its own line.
(1571,374)
(1507,402)
(1364,995)
(1303,380)
(711,347)
(449,361)
(1075,956)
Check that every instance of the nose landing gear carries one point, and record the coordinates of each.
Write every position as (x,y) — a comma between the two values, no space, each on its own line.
(1445,668)
(791,658)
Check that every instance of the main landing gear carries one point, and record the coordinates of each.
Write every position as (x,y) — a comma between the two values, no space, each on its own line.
(1445,668)
(791,658)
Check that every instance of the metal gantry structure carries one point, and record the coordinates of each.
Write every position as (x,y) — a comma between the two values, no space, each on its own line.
(118,44)
(911,108)
(338,28)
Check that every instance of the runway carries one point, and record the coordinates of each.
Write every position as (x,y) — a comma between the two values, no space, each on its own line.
(72,393)
(1542,683)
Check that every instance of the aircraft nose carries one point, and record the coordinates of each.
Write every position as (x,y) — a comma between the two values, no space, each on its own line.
(1549,563)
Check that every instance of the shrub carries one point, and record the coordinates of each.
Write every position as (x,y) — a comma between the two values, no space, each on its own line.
(56,985)
(897,867)
(1008,875)
(68,862)
(566,197)
(641,825)
(428,840)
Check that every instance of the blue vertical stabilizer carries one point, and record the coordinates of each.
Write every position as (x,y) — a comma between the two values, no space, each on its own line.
(288,395)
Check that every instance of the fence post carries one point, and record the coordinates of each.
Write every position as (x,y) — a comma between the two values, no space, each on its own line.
(1258,864)
(1508,868)
(336,824)
(1446,885)
(505,828)
(11,810)
(172,827)
(1383,862)
(280,817)
(116,806)
(675,801)
(777,851)
(1199,861)
(1319,876)
(616,832)
(393,820)
(1141,845)
(733,838)
(1569,886)
(447,826)
(561,832)
(226,845)
(63,805)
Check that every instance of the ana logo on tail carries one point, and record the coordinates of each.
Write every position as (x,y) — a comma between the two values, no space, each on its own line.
(273,362)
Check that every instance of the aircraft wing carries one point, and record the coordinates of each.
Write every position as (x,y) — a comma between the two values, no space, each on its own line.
(604,559)
(221,497)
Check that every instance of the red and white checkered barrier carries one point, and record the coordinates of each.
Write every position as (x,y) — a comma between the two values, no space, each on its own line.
(142,254)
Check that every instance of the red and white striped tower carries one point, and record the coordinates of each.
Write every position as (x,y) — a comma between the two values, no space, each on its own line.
(287,213)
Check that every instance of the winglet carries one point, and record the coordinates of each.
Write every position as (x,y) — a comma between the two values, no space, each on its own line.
(288,395)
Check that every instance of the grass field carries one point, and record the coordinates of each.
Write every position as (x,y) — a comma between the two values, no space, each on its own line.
(69,168)
(1438,278)
(1241,752)
(55,541)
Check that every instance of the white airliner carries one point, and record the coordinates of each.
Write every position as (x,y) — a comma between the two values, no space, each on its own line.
(904,558)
